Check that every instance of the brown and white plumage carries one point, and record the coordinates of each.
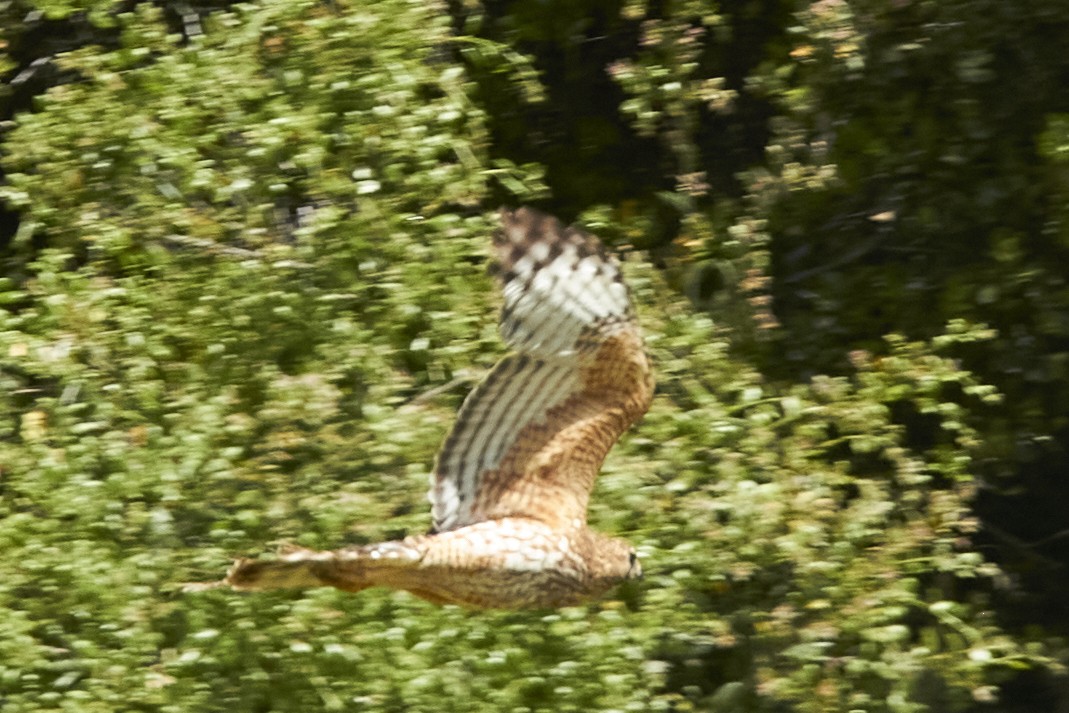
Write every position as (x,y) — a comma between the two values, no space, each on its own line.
(530,439)
(510,486)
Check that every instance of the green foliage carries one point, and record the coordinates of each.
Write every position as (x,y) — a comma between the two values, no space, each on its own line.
(246,297)
(823,555)
(241,135)
(61,9)
(909,188)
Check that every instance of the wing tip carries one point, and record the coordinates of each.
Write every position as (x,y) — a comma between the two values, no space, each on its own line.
(524,227)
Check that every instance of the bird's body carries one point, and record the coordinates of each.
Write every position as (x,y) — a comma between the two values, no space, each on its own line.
(510,488)
(511,563)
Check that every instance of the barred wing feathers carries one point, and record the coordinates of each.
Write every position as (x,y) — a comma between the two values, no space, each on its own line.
(529,440)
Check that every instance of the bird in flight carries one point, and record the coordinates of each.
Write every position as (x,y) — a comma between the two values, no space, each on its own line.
(511,483)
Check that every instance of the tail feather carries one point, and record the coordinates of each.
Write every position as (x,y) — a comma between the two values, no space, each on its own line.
(352,569)
(248,574)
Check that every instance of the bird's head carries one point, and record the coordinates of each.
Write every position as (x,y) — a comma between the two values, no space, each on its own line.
(616,559)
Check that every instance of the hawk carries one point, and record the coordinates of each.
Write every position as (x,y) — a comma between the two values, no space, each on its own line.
(511,483)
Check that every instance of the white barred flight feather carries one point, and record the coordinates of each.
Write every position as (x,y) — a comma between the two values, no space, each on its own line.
(568,315)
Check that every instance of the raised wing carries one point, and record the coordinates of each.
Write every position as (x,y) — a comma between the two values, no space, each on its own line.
(529,440)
